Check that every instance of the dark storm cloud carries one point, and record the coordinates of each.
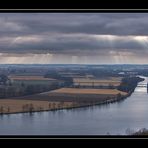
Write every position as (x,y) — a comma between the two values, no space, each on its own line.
(69,44)
(92,23)
(73,34)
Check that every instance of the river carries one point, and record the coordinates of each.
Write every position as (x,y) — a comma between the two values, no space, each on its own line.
(115,118)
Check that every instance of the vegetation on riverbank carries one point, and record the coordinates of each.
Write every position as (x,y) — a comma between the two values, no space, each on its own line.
(8,106)
(141,132)
(104,85)
(67,98)
(15,86)
(58,99)
(129,84)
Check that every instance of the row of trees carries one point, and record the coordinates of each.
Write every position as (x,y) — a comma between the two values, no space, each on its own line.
(22,90)
(104,72)
(128,84)
(109,86)
(8,89)
(3,79)
(53,105)
(2,109)
(55,75)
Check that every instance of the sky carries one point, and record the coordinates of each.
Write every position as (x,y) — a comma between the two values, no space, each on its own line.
(73,38)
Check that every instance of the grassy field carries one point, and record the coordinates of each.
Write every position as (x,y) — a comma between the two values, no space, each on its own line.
(58,99)
(89,91)
(96,82)
(74,95)
(16,106)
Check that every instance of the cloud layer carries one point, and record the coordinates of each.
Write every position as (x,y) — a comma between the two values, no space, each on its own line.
(73,38)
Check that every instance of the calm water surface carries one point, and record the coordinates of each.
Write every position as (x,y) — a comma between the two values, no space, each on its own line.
(115,118)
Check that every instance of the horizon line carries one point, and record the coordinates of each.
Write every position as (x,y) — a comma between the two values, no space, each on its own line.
(77,64)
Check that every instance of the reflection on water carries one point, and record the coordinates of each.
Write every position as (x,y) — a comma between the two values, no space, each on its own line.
(142,86)
(141,89)
(113,118)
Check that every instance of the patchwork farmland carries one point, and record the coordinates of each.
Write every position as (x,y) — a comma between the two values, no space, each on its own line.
(74,95)
(58,99)
(32,89)
(96,82)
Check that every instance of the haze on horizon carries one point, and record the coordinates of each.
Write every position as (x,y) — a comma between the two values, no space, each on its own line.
(74,38)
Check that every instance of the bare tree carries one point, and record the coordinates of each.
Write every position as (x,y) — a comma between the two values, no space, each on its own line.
(53,105)
(49,105)
(8,109)
(1,109)
(59,105)
(40,108)
(27,107)
(31,108)
(23,108)
(62,104)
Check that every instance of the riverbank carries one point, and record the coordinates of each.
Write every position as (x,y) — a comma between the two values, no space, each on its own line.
(114,118)
(22,105)
(141,132)
(67,98)
(32,107)
(8,106)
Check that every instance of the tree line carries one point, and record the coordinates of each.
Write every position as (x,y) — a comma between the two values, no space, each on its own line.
(8,89)
(55,75)
(22,90)
(128,84)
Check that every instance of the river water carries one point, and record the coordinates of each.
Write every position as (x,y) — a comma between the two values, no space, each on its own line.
(115,118)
